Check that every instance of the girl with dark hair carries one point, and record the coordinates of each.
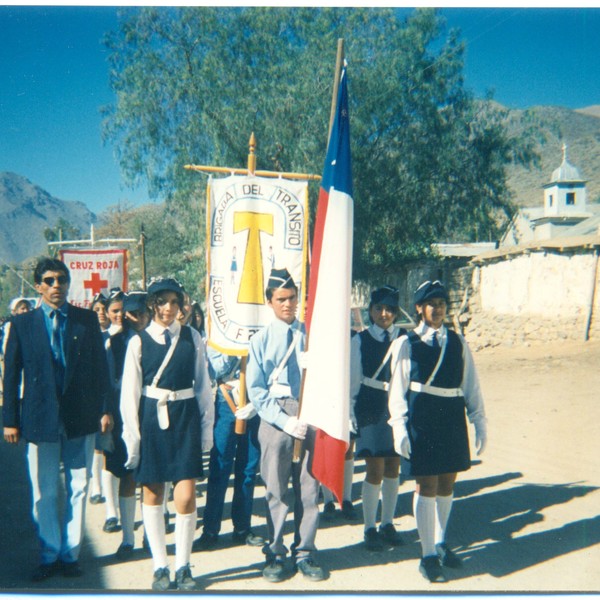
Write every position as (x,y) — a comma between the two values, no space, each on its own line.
(433,381)
(370,373)
(168,416)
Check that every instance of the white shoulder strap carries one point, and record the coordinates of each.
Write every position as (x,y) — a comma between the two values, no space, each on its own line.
(281,365)
(165,361)
(440,359)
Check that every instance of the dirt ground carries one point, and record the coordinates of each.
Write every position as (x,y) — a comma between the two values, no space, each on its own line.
(525,519)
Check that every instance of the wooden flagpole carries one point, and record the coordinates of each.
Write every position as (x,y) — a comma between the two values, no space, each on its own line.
(339,61)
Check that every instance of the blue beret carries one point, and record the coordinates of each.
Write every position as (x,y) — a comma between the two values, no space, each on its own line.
(164,284)
(428,290)
(135,301)
(387,295)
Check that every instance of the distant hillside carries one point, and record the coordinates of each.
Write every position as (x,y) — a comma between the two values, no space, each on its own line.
(26,210)
(553,126)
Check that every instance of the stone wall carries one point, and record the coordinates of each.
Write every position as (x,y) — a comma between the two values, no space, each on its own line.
(532,297)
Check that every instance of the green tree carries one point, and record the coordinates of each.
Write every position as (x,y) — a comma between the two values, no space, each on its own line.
(429,162)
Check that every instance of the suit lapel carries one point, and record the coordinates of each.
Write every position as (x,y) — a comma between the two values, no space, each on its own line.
(73,337)
(39,339)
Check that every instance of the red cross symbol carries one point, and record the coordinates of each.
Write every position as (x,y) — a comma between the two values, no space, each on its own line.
(95,284)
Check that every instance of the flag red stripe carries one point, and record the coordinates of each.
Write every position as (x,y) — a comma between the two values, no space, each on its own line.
(328,456)
(316,253)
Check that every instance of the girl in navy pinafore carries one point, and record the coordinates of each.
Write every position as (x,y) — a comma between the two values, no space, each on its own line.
(433,384)
(370,374)
(168,416)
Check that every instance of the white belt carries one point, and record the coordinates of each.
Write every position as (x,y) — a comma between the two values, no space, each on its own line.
(415,386)
(278,390)
(376,384)
(163,396)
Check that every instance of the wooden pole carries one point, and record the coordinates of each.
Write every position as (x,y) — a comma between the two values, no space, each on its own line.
(336,84)
(240,425)
(590,312)
(273,174)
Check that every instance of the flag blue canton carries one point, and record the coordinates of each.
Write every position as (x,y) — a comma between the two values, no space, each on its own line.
(337,172)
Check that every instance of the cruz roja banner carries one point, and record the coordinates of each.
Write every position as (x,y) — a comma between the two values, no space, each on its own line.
(94,271)
(253,225)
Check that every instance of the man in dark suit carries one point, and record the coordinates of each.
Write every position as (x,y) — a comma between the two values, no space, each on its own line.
(56,352)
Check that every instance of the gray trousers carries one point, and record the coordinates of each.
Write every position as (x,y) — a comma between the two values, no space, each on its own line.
(276,469)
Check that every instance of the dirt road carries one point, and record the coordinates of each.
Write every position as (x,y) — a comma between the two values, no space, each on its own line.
(526,516)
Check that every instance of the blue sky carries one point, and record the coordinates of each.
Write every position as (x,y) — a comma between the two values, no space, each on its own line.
(54,79)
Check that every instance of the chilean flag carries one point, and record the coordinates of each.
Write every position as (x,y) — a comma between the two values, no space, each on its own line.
(326,391)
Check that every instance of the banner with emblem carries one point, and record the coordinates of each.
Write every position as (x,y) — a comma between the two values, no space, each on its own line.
(93,271)
(253,225)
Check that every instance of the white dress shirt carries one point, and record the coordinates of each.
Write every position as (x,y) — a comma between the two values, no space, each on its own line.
(131,389)
(400,380)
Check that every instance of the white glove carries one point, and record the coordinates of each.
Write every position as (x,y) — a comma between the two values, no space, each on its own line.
(353,423)
(480,435)
(353,427)
(401,441)
(207,444)
(246,412)
(296,428)
(133,460)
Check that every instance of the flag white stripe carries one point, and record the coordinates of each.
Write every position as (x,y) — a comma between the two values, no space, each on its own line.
(325,400)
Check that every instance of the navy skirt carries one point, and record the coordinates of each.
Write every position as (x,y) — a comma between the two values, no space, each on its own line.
(171,454)
(439,439)
(375,439)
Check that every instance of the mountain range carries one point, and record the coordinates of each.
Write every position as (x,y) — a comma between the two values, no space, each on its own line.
(26,210)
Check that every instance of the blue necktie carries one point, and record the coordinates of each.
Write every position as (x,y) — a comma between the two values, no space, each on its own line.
(293,370)
(167,339)
(57,352)
(436,343)
(386,336)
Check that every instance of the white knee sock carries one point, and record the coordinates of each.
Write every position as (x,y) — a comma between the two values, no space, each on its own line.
(444,506)
(327,495)
(185,529)
(96,481)
(348,475)
(127,510)
(370,498)
(424,510)
(110,487)
(389,499)
(154,526)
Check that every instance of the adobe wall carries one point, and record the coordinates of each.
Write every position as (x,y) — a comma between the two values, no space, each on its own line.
(536,297)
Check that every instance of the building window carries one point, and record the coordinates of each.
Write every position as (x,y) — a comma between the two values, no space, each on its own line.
(570,198)
(550,200)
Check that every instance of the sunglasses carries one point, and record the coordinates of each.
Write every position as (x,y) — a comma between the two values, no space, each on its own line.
(62,279)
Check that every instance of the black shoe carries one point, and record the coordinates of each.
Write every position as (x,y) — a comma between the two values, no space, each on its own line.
(97,499)
(348,511)
(207,541)
(71,569)
(373,541)
(329,511)
(447,557)
(124,552)
(111,525)
(161,581)
(390,536)
(274,570)
(45,571)
(310,569)
(247,537)
(431,569)
(184,579)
